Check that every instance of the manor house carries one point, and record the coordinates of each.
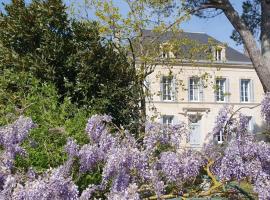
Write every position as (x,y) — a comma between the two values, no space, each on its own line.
(195,91)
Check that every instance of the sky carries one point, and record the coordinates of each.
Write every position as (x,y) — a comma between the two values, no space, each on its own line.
(218,27)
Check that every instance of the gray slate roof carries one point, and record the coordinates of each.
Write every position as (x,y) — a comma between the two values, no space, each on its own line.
(232,55)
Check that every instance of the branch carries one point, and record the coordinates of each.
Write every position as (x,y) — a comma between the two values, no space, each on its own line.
(259,63)
(227,122)
(22,110)
(250,44)
(242,191)
(213,178)
(132,52)
(167,196)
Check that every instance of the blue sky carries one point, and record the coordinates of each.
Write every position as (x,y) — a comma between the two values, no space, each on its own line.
(218,27)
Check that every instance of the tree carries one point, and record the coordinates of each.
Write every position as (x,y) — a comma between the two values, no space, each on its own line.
(254,20)
(129,29)
(22,93)
(41,39)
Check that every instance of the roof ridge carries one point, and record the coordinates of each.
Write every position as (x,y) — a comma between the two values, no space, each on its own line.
(180,30)
(195,32)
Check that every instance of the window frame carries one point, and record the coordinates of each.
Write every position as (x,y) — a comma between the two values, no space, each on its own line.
(192,88)
(165,119)
(218,54)
(167,88)
(220,137)
(246,93)
(218,90)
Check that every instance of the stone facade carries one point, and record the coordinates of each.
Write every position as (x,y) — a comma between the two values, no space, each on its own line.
(191,93)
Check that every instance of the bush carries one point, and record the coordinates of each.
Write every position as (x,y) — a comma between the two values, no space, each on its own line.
(21,93)
(114,165)
(84,68)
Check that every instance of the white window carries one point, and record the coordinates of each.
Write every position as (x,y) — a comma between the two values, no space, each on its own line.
(245,90)
(167,54)
(218,54)
(194,89)
(167,88)
(166,51)
(250,124)
(220,89)
(167,120)
(220,137)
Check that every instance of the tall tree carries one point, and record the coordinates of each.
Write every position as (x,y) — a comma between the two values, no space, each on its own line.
(40,38)
(129,28)
(252,22)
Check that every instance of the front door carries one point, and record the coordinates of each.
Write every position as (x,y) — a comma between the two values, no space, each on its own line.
(195,131)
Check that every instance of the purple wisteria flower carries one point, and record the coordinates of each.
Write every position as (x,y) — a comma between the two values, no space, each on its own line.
(265,107)
(127,165)
(96,125)
(122,161)
(11,137)
(88,192)
(262,186)
(172,135)
(90,156)
(180,167)
(224,122)
(72,148)
(52,185)
(156,182)
(130,193)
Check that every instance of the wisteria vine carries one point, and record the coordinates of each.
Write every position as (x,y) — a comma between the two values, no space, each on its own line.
(159,166)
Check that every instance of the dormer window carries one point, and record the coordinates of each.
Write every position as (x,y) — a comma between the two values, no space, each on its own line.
(219,53)
(165,54)
(166,51)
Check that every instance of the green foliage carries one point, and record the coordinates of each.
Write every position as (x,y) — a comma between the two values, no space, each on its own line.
(21,93)
(252,17)
(85,68)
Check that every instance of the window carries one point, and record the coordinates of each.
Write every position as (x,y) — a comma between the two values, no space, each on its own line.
(220,137)
(166,54)
(166,51)
(250,124)
(218,54)
(167,88)
(245,90)
(220,89)
(194,89)
(167,120)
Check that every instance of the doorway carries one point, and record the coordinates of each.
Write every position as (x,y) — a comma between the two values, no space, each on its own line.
(195,138)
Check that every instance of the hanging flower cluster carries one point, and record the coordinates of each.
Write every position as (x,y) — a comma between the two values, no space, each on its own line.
(134,168)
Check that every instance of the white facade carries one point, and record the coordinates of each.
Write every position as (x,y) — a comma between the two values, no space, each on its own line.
(194,93)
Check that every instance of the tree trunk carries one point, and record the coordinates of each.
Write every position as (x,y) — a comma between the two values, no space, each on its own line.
(265,33)
(260,60)
(143,107)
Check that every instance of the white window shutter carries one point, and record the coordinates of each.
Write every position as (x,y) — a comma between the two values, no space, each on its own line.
(174,92)
(240,88)
(189,89)
(161,88)
(175,120)
(252,91)
(200,90)
(227,90)
(161,119)
(252,121)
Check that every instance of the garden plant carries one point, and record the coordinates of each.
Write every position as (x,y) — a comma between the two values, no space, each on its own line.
(158,165)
